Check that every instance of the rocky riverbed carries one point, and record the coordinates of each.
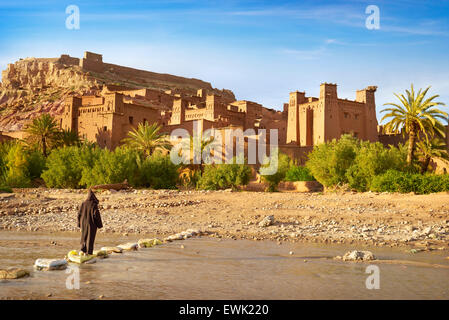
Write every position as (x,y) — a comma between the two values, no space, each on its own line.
(420,222)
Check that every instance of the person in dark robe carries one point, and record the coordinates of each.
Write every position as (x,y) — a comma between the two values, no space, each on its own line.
(89,220)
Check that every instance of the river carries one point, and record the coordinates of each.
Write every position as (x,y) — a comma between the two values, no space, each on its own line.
(207,268)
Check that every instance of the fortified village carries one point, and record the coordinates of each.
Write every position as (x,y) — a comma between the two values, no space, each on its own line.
(106,115)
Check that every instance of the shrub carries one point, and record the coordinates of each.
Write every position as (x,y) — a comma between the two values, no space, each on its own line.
(283,163)
(224,176)
(373,159)
(431,183)
(63,168)
(112,167)
(298,173)
(36,164)
(404,182)
(189,178)
(158,172)
(14,166)
(328,162)
(5,189)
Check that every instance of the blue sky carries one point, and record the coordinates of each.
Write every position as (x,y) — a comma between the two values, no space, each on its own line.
(261,50)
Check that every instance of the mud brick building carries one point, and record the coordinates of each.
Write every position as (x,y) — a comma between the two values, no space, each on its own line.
(316,120)
(106,116)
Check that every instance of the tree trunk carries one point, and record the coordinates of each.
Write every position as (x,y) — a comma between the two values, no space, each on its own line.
(411,145)
(44,147)
(425,165)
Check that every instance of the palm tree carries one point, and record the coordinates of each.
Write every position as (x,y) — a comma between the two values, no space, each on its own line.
(209,143)
(67,137)
(43,130)
(416,115)
(147,139)
(428,149)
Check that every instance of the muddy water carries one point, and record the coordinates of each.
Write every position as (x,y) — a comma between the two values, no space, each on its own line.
(207,268)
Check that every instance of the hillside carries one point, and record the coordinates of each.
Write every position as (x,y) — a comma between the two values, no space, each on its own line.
(33,86)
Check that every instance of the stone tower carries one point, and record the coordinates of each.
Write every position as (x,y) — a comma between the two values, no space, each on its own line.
(367,96)
(69,121)
(179,111)
(296,98)
(331,113)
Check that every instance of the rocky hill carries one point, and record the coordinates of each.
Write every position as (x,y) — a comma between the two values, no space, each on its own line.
(33,86)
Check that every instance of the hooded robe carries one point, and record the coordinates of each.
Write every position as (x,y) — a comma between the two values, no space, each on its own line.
(89,220)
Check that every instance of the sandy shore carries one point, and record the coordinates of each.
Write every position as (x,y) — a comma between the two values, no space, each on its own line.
(417,221)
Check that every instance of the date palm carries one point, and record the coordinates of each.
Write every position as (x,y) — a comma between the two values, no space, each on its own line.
(434,148)
(147,139)
(197,156)
(416,114)
(67,137)
(43,131)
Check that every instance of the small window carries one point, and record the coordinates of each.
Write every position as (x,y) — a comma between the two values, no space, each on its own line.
(346,115)
(105,128)
(131,120)
(356,116)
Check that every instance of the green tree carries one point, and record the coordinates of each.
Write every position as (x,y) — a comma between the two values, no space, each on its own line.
(14,165)
(328,162)
(415,114)
(204,144)
(431,148)
(283,163)
(113,167)
(158,172)
(373,159)
(43,131)
(224,176)
(66,138)
(66,166)
(147,139)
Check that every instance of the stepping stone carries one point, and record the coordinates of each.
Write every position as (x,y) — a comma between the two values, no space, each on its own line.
(13,273)
(50,264)
(129,246)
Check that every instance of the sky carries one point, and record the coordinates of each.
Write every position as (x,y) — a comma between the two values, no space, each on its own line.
(261,50)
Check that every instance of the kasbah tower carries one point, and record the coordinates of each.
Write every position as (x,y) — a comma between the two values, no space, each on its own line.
(316,120)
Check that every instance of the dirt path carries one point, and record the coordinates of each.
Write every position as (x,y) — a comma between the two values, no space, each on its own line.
(420,221)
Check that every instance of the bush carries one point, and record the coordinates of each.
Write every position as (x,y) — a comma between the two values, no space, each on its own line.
(64,169)
(14,166)
(36,164)
(283,163)
(373,159)
(224,176)
(328,162)
(112,167)
(189,178)
(298,173)
(5,189)
(404,182)
(158,172)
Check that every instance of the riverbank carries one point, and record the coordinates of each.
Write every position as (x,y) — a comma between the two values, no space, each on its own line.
(416,221)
